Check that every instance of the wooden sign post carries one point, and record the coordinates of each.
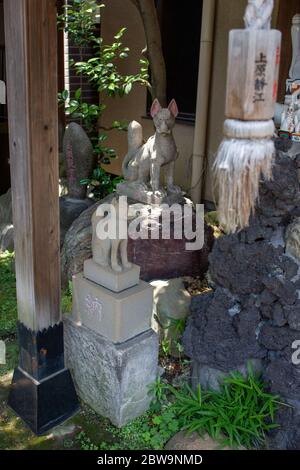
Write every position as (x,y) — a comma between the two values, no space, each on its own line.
(42,391)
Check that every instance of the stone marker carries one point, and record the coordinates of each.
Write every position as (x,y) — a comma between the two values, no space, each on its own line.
(111,349)
(79,159)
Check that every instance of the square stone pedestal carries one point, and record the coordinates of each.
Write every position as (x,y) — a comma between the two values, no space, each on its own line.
(110,279)
(117,316)
(112,378)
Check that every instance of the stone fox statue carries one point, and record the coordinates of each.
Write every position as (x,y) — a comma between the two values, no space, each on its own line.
(142,163)
(258,14)
(110,252)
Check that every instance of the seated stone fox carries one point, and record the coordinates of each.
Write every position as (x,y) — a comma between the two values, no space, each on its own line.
(143,162)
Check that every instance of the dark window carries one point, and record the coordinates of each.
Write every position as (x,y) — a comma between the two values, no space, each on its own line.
(181,31)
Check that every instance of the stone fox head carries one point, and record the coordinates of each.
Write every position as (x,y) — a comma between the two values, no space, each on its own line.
(164,118)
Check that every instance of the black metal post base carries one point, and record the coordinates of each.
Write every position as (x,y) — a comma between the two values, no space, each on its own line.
(43,404)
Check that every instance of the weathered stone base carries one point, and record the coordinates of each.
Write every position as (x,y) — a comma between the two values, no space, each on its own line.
(113,379)
(116,315)
(139,194)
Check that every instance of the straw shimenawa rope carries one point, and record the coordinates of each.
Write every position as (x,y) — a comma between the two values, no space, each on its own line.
(246,153)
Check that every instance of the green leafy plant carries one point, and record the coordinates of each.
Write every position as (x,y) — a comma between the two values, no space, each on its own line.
(165,347)
(66,299)
(238,415)
(102,70)
(173,329)
(158,390)
(101,183)
(150,431)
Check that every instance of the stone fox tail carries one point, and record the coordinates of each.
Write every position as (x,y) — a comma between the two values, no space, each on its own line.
(135,141)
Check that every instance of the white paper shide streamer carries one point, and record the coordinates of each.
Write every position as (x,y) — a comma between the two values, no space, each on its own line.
(246,153)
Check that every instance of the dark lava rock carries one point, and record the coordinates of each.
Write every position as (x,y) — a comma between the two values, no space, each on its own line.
(217,337)
(241,267)
(254,311)
(287,435)
(283,378)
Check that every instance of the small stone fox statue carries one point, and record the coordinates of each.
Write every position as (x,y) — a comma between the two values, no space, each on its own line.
(109,252)
(142,163)
(258,14)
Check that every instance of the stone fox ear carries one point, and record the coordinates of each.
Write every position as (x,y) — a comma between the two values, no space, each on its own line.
(155,108)
(173,108)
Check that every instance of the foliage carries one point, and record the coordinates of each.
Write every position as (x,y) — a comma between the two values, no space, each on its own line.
(102,70)
(173,329)
(101,183)
(150,431)
(158,389)
(238,415)
(165,346)
(8,301)
(79,20)
(11,357)
(66,299)
(211,218)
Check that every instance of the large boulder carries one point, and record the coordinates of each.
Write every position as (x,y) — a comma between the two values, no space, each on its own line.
(70,209)
(158,259)
(77,245)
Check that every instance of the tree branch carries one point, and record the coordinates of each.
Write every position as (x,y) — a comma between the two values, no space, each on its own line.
(155,56)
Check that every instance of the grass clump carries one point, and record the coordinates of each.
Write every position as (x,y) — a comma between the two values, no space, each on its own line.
(239,415)
(66,299)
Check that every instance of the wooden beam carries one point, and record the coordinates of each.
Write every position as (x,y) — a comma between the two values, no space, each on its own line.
(31,46)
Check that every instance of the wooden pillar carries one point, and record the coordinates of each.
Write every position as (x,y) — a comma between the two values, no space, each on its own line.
(42,390)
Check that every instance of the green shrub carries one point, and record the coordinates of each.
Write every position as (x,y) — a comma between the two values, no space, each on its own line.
(66,299)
